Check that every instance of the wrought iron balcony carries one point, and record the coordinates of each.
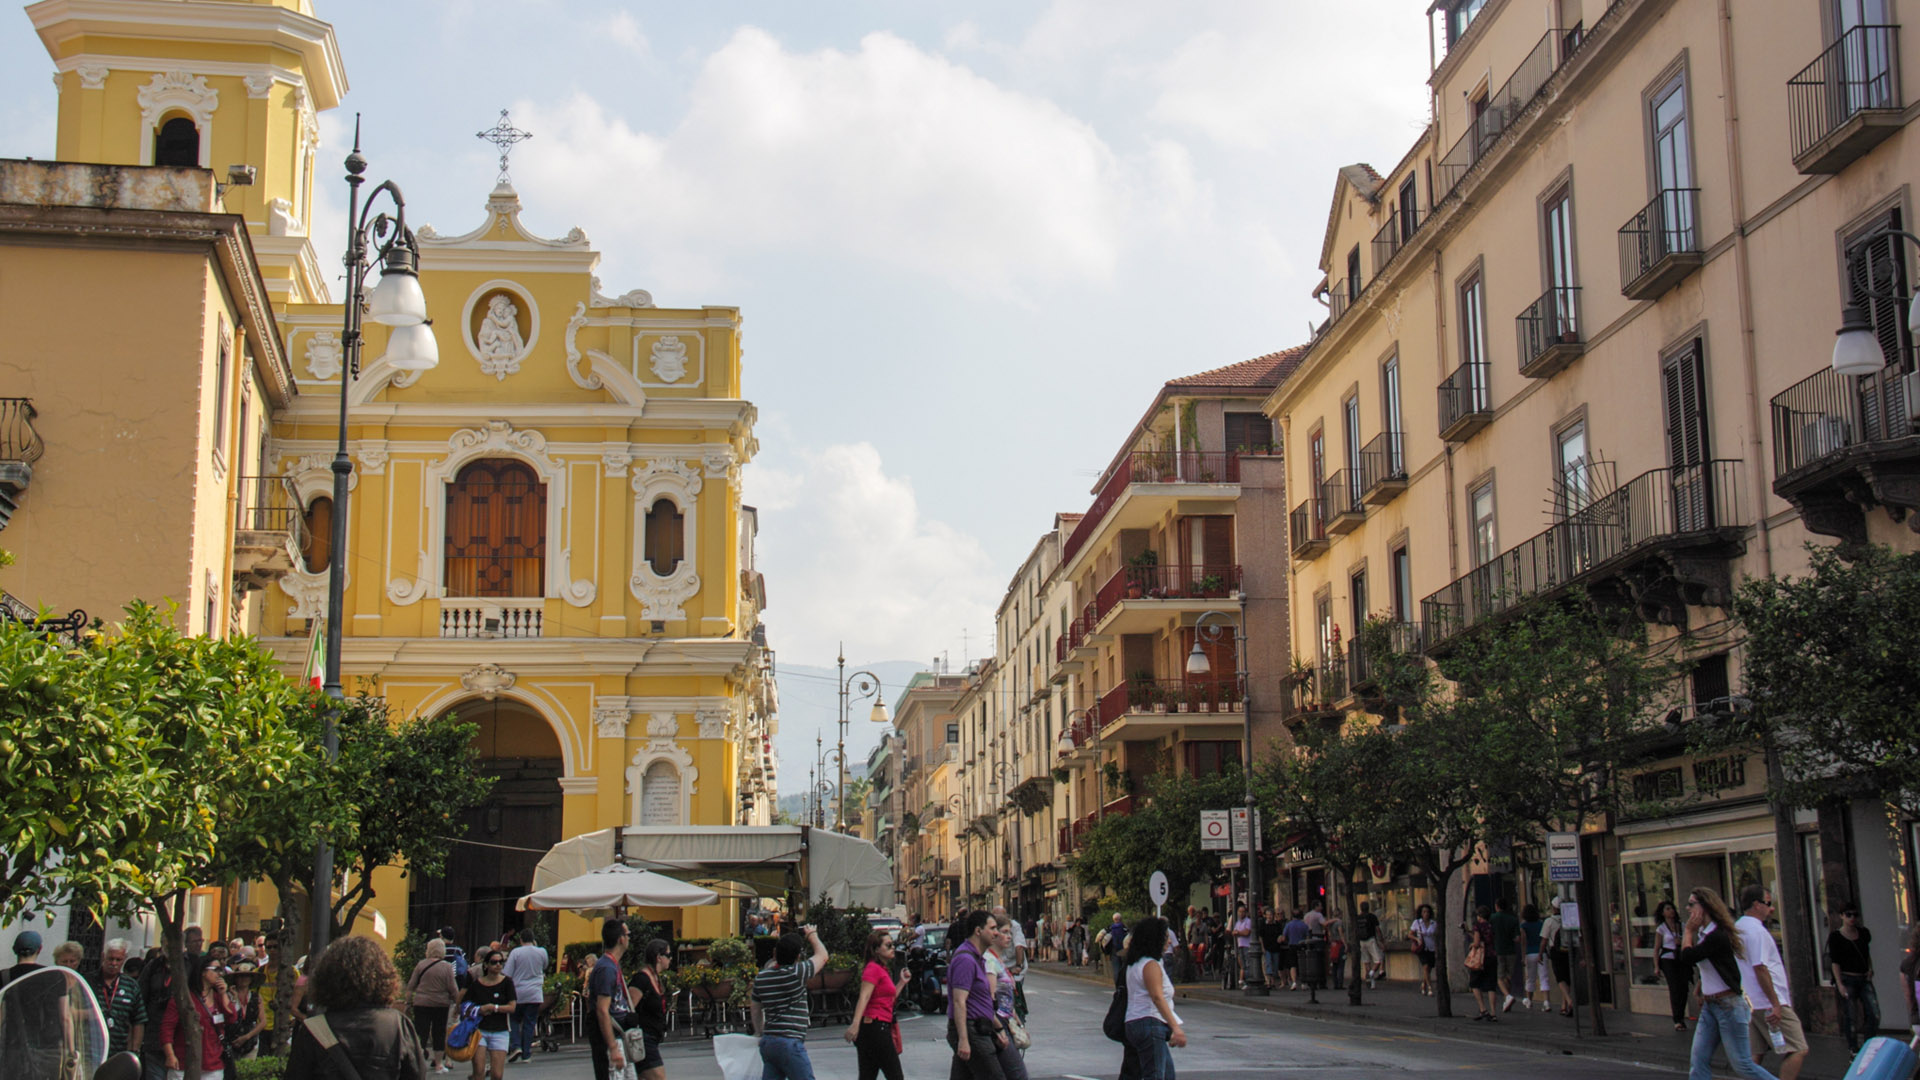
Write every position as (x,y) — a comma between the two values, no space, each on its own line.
(1843,443)
(1550,332)
(20,447)
(1408,638)
(1383,467)
(1502,109)
(1206,696)
(1151,467)
(1394,235)
(73,624)
(1660,245)
(1307,527)
(269,530)
(1166,583)
(1466,401)
(1847,101)
(1341,494)
(1338,300)
(1660,542)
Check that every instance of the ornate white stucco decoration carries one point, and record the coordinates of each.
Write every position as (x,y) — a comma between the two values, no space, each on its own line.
(324,351)
(663,725)
(610,716)
(171,91)
(669,359)
(92,76)
(576,591)
(616,462)
(661,750)
(313,475)
(720,462)
(592,369)
(407,590)
(632,298)
(497,435)
(280,219)
(713,721)
(373,456)
(498,339)
(488,680)
(258,84)
(309,591)
(300,102)
(665,596)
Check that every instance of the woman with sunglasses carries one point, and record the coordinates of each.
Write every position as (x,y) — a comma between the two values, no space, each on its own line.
(1713,945)
(207,990)
(493,992)
(1851,960)
(872,1030)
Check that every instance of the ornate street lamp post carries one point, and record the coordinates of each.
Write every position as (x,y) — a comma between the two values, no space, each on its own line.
(1198,665)
(861,684)
(1856,348)
(397,302)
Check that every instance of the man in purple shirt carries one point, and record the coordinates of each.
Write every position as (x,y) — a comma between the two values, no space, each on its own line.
(972,1030)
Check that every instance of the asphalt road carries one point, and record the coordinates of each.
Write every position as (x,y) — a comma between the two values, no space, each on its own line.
(1226,1042)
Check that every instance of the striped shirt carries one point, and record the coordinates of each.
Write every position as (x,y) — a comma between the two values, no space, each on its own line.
(128,1007)
(782,995)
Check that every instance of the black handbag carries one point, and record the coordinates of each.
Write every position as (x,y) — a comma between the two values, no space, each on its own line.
(1115,1025)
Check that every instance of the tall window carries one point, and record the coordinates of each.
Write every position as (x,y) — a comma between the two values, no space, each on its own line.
(1866,59)
(1683,380)
(1357,601)
(1353,274)
(1401,571)
(1875,264)
(1484,538)
(177,143)
(1473,340)
(1350,419)
(1390,416)
(221,369)
(1558,227)
(1323,620)
(1409,208)
(1317,463)
(1574,479)
(316,546)
(666,536)
(1673,164)
(496,531)
(1460,16)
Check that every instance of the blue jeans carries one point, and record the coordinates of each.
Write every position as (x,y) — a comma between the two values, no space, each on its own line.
(526,1026)
(1148,1038)
(1861,993)
(1723,1024)
(784,1058)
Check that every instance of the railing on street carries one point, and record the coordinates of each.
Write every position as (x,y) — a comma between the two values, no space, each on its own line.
(1660,505)
(1664,232)
(1151,467)
(1859,73)
(18,440)
(1501,109)
(1828,412)
(1548,328)
(1465,400)
(1121,805)
(1166,583)
(13,609)
(1383,465)
(1307,526)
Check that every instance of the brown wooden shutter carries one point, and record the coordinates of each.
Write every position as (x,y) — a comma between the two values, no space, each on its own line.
(1684,379)
(1216,541)
(496,531)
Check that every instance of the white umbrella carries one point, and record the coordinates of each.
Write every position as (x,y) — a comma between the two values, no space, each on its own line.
(618,887)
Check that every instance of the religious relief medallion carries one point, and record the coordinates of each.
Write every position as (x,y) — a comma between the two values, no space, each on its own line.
(669,359)
(501,324)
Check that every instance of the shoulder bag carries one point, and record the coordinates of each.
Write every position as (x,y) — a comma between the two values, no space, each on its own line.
(1115,1025)
(461,1043)
(1476,954)
(329,1042)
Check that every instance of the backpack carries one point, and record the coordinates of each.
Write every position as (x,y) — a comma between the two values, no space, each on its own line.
(1476,955)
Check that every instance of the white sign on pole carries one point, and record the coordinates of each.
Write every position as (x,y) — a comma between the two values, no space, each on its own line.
(1563,856)
(1213,831)
(1569,915)
(1242,835)
(1157,890)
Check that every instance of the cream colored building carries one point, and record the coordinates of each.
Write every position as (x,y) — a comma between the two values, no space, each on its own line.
(545,532)
(927,856)
(1616,259)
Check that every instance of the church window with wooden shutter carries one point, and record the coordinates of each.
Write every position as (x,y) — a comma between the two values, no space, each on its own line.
(496,531)
(1683,382)
(666,538)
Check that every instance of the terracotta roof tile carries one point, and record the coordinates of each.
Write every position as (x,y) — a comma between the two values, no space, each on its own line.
(1261,372)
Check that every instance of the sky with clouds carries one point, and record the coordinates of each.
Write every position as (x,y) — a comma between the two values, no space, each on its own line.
(968,240)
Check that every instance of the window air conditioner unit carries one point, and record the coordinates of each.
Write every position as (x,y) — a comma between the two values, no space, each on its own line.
(1823,435)
(1910,385)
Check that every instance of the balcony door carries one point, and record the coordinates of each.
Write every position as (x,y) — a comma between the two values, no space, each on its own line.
(1862,29)
(1390,412)
(1876,277)
(1317,464)
(1559,251)
(1672,167)
(496,531)
(1350,419)
(1683,379)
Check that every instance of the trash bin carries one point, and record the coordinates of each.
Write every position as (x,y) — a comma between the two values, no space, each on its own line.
(1310,960)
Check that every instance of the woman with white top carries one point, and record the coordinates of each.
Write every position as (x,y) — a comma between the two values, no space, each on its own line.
(1152,1025)
(1667,933)
(1713,945)
(1422,933)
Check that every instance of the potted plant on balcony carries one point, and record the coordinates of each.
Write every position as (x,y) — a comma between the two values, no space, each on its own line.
(1061,775)
(1140,573)
(1210,585)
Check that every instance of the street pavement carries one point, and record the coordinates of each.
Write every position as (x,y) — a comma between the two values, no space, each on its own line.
(1226,1042)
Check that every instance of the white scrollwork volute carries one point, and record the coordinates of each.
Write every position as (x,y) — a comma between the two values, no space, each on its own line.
(576,591)
(585,380)
(309,591)
(313,473)
(667,476)
(258,84)
(610,716)
(488,680)
(499,435)
(720,462)
(178,90)
(669,358)
(712,721)
(404,591)
(92,76)
(663,725)
(632,298)
(664,596)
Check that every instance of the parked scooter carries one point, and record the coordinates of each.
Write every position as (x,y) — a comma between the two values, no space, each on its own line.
(927,989)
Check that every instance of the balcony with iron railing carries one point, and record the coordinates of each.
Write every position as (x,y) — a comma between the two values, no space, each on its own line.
(1307,528)
(1383,467)
(1338,300)
(1394,235)
(1550,333)
(1148,708)
(1660,245)
(72,625)
(1660,542)
(269,530)
(1842,443)
(1502,109)
(1847,101)
(1466,401)
(20,447)
(1402,637)
(1150,467)
(1341,495)
(1164,583)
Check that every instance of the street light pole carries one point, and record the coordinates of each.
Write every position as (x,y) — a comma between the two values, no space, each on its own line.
(1198,664)
(397,302)
(868,686)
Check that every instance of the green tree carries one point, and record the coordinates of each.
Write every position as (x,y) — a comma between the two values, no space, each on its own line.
(1829,667)
(1122,850)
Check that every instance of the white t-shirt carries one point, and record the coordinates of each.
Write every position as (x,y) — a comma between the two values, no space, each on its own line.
(1140,1004)
(527,967)
(1710,981)
(1012,955)
(1761,951)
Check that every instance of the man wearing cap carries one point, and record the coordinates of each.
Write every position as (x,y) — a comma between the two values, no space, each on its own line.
(32,1013)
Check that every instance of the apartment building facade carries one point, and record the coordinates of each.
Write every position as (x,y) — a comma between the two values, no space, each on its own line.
(1672,200)
(927,851)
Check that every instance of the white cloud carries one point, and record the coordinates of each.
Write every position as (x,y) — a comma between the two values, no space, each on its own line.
(849,557)
(888,154)
(625,31)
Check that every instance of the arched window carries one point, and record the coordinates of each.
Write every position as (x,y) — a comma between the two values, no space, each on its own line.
(660,794)
(177,143)
(496,531)
(666,539)
(317,547)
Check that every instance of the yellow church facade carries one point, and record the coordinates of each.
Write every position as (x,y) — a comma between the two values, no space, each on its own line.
(545,532)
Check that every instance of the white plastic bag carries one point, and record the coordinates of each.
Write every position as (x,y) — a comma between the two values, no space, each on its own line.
(738,1055)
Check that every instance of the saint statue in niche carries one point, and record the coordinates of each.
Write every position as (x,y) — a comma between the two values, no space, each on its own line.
(499,338)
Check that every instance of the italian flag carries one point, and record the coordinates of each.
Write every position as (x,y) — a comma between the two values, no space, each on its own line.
(317,655)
